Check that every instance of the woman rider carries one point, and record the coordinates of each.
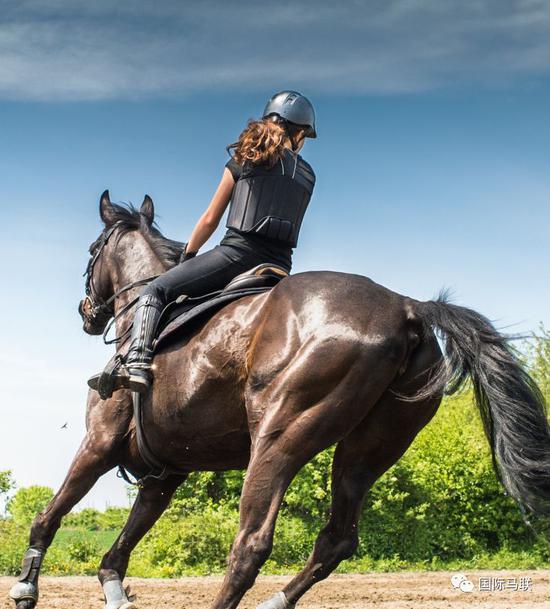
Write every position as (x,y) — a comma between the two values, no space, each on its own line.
(268,186)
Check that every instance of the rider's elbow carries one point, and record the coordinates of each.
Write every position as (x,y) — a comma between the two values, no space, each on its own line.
(210,222)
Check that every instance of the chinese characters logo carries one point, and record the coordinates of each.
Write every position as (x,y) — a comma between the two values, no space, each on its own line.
(488,583)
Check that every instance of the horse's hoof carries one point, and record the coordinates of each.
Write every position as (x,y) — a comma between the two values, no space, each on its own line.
(125,605)
(24,594)
(116,597)
(279,601)
(26,604)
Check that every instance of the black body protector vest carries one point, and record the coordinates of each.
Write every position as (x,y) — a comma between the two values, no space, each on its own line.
(272,201)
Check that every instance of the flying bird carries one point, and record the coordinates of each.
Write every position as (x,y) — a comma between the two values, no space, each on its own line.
(64,426)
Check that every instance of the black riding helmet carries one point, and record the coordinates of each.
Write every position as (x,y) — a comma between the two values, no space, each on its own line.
(293,108)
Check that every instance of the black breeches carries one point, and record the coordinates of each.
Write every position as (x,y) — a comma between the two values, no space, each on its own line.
(203,274)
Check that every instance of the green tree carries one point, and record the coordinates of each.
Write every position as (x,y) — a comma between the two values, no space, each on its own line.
(88,519)
(6,484)
(27,502)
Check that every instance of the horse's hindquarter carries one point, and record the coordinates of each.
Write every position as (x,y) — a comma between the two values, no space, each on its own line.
(196,417)
(330,340)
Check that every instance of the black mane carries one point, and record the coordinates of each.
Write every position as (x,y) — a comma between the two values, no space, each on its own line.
(128,218)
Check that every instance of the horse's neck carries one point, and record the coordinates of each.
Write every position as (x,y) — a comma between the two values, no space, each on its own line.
(135,261)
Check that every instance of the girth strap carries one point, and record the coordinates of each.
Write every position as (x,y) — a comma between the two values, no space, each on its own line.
(159,470)
(146,453)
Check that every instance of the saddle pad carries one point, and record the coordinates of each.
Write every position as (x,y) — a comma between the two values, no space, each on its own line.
(183,316)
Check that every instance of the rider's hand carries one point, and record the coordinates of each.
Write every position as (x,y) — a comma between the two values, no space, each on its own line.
(185,255)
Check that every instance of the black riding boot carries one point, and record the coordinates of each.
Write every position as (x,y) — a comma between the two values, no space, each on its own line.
(134,372)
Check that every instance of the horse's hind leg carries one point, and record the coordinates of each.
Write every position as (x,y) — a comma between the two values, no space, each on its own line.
(152,500)
(308,412)
(358,462)
(360,459)
(92,460)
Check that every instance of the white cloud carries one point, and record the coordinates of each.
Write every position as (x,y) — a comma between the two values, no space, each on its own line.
(60,50)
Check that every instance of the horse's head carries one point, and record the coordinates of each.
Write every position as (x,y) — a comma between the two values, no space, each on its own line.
(98,305)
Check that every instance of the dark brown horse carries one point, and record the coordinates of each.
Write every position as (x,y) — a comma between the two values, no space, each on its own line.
(269,382)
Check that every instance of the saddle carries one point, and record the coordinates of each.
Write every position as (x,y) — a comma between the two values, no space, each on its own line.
(185,314)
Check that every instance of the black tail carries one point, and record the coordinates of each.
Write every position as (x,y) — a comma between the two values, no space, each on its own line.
(511,405)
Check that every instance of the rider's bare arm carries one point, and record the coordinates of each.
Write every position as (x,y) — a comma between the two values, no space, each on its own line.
(210,219)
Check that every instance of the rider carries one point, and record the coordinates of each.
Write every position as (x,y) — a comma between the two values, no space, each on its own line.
(268,186)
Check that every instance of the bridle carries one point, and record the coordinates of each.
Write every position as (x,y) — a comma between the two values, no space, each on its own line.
(103,310)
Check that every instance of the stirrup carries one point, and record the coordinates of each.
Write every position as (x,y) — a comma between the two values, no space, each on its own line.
(117,375)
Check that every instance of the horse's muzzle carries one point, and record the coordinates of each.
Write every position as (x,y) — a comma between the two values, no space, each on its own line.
(93,324)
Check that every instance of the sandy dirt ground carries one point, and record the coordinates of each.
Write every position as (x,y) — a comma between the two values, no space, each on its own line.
(372,591)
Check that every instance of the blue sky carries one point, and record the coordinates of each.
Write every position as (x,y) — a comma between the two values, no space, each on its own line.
(432,161)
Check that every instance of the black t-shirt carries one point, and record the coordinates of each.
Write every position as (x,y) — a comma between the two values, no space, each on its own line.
(272,251)
(235,169)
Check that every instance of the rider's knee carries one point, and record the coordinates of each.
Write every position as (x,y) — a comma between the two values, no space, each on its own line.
(155,289)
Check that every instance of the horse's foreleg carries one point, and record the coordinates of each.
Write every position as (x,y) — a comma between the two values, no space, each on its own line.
(152,500)
(92,460)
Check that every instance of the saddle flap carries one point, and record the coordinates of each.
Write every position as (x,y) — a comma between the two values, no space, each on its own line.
(185,313)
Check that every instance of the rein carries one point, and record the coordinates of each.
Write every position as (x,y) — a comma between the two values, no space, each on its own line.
(125,308)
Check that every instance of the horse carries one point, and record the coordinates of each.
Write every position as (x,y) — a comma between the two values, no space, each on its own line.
(270,381)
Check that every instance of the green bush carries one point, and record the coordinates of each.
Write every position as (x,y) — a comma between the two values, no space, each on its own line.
(13,543)
(196,544)
(82,550)
(293,542)
(28,502)
(308,497)
(6,482)
(113,518)
(207,489)
(442,499)
(87,518)
(77,552)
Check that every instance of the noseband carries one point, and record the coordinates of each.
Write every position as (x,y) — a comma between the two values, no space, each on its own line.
(102,310)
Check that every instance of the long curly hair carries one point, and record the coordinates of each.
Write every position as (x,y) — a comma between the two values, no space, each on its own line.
(262,142)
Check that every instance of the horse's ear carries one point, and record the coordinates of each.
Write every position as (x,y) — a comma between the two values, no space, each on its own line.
(106,210)
(147,210)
